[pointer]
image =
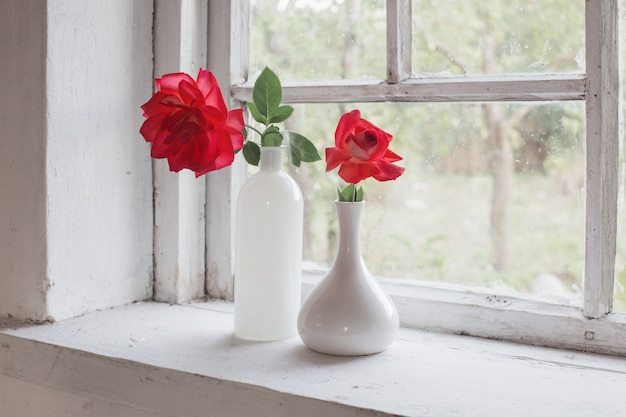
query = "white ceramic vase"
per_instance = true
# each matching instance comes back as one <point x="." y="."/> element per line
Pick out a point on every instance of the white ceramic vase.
<point x="268" y="252"/>
<point x="348" y="313"/>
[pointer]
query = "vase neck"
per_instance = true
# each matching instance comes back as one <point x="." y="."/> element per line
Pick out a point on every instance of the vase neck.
<point x="349" y="217"/>
<point x="271" y="158"/>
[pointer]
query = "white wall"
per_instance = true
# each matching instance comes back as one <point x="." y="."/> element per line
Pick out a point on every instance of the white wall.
<point x="75" y="175"/>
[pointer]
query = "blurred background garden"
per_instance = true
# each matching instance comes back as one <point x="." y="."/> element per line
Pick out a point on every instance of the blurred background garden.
<point x="493" y="194"/>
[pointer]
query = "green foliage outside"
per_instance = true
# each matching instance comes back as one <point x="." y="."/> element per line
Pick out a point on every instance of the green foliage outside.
<point x="433" y="223"/>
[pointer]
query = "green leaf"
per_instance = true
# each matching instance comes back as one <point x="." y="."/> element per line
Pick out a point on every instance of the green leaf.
<point x="256" y="114"/>
<point x="282" y="114"/>
<point x="359" y="194"/>
<point x="339" y="195"/>
<point x="300" y="148"/>
<point x="271" y="137"/>
<point x="267" y="94"/>
<point x="350" y="193"/>
<point x="347" y="193"/>
<point x="252" y="153"/>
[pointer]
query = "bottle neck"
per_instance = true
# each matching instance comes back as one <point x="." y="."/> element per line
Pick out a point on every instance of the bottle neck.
<point x="349" y="216"/>
<point x="271" y="158"/>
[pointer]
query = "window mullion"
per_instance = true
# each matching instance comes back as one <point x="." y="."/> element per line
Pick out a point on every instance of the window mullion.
<point x="179" y="261"/>
<point x="228" y="40"/>
<point x="240" y="41"/>
<point x="398" y="40"/>
<point x="602" y="107"/>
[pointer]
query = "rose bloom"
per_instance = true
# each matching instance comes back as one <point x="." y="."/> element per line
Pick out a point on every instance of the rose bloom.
<point x="361" y="151"/>
<point x="188" y="123"/>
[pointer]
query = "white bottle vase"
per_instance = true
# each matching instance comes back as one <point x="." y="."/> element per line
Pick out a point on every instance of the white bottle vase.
<point x="268" y="252"/>
<point x="348" y="313"/>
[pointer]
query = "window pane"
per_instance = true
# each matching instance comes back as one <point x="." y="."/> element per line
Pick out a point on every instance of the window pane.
<point x="477" y="37"/>
<point x="318" y="39"/>
<point x="454" y="216"/>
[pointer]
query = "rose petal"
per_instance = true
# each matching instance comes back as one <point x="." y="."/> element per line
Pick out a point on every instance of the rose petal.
<point x="160" y="150"/>
<point x="235" y="119"/>
<point x="210" y="152"/>
<point x="155" y="105"/>
<point x="188" y="123"/>
<point x="168" y="84"/>
<point x="173" y="121"/>
<point x="210" y="88"/>
<point x="387" y="171"/>
<point x="353" y="171"/>
<point x="382" y="138"/>
<point x="391" y="156"/>
<point x="189" y="92"/>
<point x="234" y="126"/>
<point x="194" y="155"/>
<point x="345" y="127"/>
<point x="200" y="154"/>
<point x="179" y="160"/>
<point x="227" y="153"/>
<point x="205" y="81"/>
<point x="360" y="146"/>
<point x="151" y="126"/>
<point x="335" y="157"/>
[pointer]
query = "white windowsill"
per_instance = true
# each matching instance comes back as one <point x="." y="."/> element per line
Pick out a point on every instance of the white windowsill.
<point x="182" y="360"/>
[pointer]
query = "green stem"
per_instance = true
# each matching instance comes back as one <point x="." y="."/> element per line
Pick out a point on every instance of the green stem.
<point x="256" y="130"/>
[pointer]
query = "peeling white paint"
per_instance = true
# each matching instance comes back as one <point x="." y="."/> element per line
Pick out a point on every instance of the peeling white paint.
<point x="77" y="224"/>
<point x="200" y="369"/>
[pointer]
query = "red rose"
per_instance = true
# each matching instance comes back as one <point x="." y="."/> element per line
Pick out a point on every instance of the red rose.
<point x="188" y="123"/>
<point x="361" y="149"/>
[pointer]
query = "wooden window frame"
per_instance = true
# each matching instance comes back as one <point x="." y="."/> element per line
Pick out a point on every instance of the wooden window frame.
<point x="464" y="310"/>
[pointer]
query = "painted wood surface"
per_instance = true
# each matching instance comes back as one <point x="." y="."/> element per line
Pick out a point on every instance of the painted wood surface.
<point x="23" y="399"/>
<point x="603" y="122"/>
<point x="23" y="160"/>
<point x="184" y="361"/>
<point x="399" y="40"/>
<point x="497" y="316"/>
<point x="98" y="191"/>
<point x="75" y="177"/>
<point x="179" y="209"/>
<point x="228" y="59"/>
<point x="453" y="89"/>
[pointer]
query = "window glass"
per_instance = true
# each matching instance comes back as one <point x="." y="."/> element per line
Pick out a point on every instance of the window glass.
<point x="318" y="39"/>
<point x="480" y="37"/>
<point x="493" y="194"/>
<point x="454" y="216"/>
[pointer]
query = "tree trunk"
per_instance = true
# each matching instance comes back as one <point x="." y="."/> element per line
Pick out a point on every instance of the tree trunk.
<point x="502" y="171"/>
<point x="502" y="166"/>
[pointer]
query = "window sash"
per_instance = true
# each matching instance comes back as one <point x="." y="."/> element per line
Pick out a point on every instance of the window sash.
<point x="603" y="133"/>
<point x="456" y="89"/>
<point x="533" y="322"/>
